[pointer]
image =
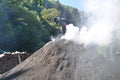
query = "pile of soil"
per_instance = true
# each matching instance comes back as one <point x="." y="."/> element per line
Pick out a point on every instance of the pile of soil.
<point x="9" y="60"/>
<point x="64" y="60"/>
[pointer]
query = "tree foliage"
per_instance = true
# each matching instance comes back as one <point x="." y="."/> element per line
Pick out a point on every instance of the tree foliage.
<point x="49" y="14"/>
<point x="27" y="25"/>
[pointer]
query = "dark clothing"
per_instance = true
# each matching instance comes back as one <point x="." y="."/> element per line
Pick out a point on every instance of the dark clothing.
<point x="62" y="22"/>
<point x="63" y="28"/>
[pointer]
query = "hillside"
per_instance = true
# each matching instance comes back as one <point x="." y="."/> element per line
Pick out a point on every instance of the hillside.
<point x="64" y="60"/>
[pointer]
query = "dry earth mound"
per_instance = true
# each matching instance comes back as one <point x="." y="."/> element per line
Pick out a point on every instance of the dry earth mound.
<point x="64" y="60"/>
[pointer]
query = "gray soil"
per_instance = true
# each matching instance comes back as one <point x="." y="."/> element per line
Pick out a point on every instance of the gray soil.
<point x="64" y="60"/>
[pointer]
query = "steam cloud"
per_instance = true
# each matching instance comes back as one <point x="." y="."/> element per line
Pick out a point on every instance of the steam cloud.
<point x="102" y="25"/>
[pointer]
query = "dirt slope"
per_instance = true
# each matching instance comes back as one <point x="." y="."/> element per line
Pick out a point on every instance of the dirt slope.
<point x="64" y="60"/>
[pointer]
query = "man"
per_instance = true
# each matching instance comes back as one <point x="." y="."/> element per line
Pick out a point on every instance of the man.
<point x="62" y="22"/>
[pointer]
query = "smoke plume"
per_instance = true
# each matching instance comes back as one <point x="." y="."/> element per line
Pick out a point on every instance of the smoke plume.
<point x="102" y="24"/>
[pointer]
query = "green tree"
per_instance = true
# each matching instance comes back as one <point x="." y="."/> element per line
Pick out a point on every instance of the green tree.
<point x="49" y="14"/>
<point x="26" y="25"/>
<point x="29" y="31"/>
<point x="21" y="28"/>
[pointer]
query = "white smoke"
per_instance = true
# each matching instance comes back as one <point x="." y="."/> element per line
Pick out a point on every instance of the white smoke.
<point x="102" y="23"/>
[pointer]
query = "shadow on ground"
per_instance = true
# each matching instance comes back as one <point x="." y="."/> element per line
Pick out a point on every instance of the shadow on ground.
<point x="14" y="75"/>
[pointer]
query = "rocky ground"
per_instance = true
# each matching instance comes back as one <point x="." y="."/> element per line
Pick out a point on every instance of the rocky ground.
<point x="64" y="60"/>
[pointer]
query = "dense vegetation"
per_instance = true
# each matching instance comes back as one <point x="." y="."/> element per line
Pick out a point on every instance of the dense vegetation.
<point x="26" y="25"/>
